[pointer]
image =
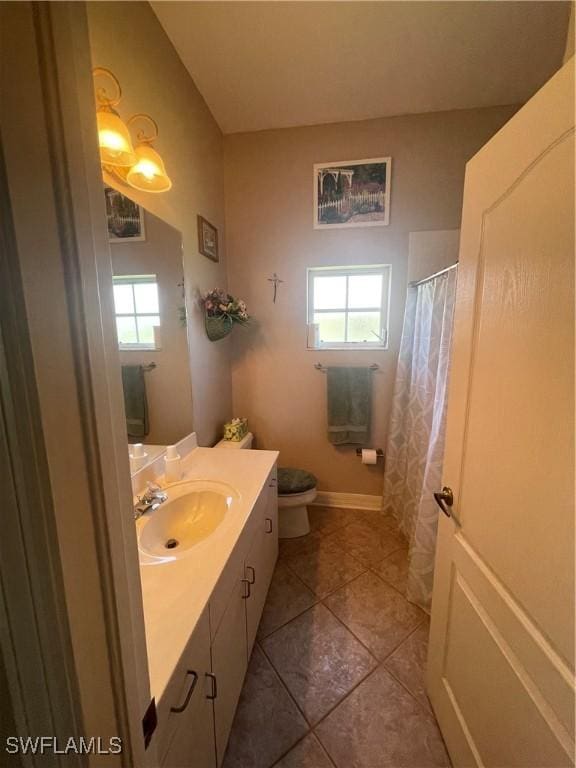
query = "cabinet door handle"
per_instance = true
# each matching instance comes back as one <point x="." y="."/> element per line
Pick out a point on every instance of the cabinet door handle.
<point x="214" y="692"/>
<point x="247" y="591"/>
<point x="190" y="692"/>
<point x="252" y="580"/>
<point x="269" y="526"/>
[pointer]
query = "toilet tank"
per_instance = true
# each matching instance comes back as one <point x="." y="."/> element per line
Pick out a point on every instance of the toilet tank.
<point x="246" y="442"/>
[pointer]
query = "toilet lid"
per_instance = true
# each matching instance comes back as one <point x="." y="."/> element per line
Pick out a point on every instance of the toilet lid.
<point x="294" y="481"/>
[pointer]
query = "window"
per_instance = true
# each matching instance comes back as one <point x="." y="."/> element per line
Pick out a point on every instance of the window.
<point x="350" y="306"/>
<point x="137" y="310"/>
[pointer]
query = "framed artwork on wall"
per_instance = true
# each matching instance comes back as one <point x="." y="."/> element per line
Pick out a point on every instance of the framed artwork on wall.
<point x="207" y="239"/>
<point x="125" y="217"/>
<point x="352" y="193"/>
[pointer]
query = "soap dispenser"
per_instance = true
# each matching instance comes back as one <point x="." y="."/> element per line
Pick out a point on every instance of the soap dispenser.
<point x="172" y="465"/>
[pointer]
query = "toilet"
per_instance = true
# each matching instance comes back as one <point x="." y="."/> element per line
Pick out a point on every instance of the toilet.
<point x="246" y="442"/>
<point x="296" y="489"/>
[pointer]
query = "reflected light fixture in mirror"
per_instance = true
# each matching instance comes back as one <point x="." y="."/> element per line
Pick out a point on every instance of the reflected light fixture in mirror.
<point x="142" y="167"/>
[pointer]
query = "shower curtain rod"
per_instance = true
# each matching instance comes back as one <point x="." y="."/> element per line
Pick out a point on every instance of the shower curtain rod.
<point x="415" y="283"/>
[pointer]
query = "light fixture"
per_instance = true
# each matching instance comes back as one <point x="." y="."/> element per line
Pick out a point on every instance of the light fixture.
<point x="113" y="136"/>
<point x="140" y="167"/>
<point x="148" y="172"/>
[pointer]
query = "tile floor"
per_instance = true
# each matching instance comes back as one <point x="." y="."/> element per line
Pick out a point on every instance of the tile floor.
<point x="335" y="679"/>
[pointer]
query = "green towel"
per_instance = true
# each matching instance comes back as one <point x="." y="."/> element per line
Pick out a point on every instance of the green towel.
<point x="349" y="405"/>
<point x="135" y="402"/>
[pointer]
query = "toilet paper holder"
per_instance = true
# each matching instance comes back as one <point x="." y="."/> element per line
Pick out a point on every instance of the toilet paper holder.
<point x="379" y="452"/>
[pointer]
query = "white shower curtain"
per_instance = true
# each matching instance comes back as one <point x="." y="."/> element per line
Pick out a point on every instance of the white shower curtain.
<point x="415" y="445"/>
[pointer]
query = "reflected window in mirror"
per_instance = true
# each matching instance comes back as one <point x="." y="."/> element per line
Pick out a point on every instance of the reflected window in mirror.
<point x="137" y="311"/>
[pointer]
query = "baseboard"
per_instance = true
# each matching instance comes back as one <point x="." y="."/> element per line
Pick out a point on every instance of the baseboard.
<point x="348" y="500"/>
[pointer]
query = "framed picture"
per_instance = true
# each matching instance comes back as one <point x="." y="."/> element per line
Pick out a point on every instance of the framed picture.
<point x="125" y="217"/>
<point x="207" y="239"/>
<point x="352" y="193"/>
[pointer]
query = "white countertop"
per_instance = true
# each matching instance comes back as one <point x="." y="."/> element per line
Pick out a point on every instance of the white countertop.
<point x="176" y="593"/>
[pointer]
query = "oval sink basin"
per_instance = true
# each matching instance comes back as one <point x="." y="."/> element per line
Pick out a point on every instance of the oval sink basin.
<point x="192" y="512"/>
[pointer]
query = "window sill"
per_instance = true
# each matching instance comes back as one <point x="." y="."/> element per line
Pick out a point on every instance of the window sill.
<point x="138" y="348"/>
<point x="349" y="348"/>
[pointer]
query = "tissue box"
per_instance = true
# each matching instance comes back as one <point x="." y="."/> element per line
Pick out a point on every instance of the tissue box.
<point x="235" y="430"/>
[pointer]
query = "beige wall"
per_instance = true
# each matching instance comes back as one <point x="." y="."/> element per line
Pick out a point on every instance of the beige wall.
<point x="268" y="181"/>
<point x="429" y="252"/>
<point x="128" y="39"/>
<point x="167" y="386"/>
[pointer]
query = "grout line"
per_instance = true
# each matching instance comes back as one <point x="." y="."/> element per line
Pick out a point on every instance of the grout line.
<point x="388" y="584"/>
<point x="339" y="620"/>
<point x="342" y="700"/>
<point x="403" y="685"/>
<point x="344" y="583"/>
<point x="394" y="649"/>
<point x="283" y="755"/>
<point x="279" y="676"/>
<point x="324" y="749"/>
<point x="380" y="663"/>
<point x="314" y="736"/>
<point x="317" y="600"/>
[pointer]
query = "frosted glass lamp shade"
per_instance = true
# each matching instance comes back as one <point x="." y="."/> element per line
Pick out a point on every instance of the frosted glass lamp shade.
<point x="114" y="140"/>
<point x="148" y="172"/>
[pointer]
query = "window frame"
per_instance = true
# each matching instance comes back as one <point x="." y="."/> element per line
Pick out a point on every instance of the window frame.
<point x="133" y="280"/>
<point x="385" y="270"/>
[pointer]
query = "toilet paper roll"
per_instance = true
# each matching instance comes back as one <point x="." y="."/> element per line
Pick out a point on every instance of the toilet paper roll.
<point x="369" y="456"/>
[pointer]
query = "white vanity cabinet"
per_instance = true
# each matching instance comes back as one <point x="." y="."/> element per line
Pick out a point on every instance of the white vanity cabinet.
<point x="261" y="560"/>
<point x="196" y="712"/>
<point x="185" y="710"/>
<point x="229" y="664"/>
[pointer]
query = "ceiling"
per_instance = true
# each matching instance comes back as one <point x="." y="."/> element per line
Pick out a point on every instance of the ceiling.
<point x="265" y="64"/>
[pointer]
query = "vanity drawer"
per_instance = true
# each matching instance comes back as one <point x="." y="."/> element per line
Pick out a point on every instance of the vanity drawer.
<point x="191" y="730"/>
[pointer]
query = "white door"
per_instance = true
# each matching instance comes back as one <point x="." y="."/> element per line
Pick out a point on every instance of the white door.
<point x="501" y="660"/>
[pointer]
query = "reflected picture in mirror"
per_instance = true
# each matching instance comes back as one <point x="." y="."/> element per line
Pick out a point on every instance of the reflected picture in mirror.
<point x="150" y="314"/>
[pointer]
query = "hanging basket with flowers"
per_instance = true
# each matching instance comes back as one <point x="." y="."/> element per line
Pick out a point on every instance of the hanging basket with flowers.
<point x="221" y="311"/>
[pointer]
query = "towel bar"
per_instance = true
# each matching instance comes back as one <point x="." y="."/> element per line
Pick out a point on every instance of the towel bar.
<point x="149" y="367"/>
<point x="323" y="368"/>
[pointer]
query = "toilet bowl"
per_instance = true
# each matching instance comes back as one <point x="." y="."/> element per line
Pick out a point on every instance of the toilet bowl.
<point x="296" y="489"/>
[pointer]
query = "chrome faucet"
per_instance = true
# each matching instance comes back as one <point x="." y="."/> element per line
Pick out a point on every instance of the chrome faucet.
<point x="150" y="500"/>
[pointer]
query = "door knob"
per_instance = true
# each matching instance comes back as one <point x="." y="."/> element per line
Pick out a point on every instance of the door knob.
<point x="445" y="499"/>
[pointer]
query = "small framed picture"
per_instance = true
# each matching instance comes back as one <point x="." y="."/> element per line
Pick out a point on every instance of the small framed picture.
<point x="352" y="193"/>
<point x="125" y="217"/>
<point x="207" y="239"/>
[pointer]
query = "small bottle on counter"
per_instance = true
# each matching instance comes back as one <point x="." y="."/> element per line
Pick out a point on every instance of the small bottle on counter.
<point x="138" y="457"/>
<point x="172" y="465"/>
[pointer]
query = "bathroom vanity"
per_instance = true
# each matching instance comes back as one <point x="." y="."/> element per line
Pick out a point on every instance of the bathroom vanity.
<point x="203" y="597"/>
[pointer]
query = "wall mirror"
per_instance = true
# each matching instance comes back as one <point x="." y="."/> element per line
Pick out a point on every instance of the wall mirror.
<point x="151" y="324"/>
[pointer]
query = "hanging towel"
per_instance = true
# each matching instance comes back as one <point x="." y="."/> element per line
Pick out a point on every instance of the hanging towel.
<point x="135" y="402"/>
<point x="349" y="405"/>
